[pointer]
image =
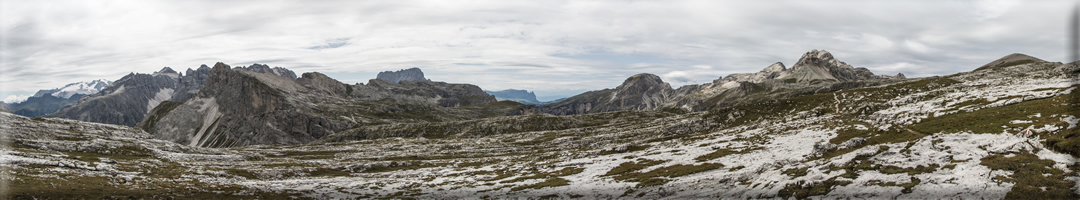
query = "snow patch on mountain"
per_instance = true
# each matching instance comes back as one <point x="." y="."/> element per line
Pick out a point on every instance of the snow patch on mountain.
<point x="82" y="87"/>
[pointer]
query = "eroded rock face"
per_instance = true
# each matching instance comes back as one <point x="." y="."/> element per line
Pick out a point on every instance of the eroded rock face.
<point x="237" y="108"/>
<point x="411" y="74"/>
<point x="240" y="107"/>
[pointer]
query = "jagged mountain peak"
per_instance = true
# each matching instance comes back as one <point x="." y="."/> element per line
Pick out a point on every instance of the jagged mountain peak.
<point x="263" y="68"/>
<point x="775" y="67"/>
<point x="819" y="58"/>
<point x="166" y="70"/>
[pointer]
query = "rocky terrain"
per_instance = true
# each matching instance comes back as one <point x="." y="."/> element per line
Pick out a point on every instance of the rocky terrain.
<point x="816" y="71"/>
<point x="411" y="74"/>
<point x="1006" y="130"/>
<point x="520" y="96"/>
<point x="48" y="101"/>
<point x="240" y="107"/>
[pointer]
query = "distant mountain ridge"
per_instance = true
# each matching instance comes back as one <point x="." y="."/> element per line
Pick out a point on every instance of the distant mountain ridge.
<point x="48" y="101"/>
<point x="520" y="96"/>
<point x="816" y="71"/>
<point x="82" y="87"/>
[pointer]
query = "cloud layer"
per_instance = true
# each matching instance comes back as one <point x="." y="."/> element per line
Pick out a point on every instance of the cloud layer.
<point x="551" y="47"/>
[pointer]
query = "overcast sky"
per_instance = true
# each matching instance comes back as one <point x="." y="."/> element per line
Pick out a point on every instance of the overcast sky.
<point x="551" y="47"/>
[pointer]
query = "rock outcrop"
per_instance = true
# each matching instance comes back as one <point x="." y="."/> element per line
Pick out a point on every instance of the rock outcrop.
<point x="411" y="74"/>
<point x="639" y="92"/>
<point x="1010" y="60"/>
<point x="520" y="96"/>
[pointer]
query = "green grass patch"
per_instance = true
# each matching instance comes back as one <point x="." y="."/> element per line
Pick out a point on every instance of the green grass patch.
<point x="1031" y="175"/>
<point x="400" y="166"/>
<point x="553" y="182"/>
<point x="799" y="191"/>
<point x="632" y="166"/>
<point x="724" y="152"/>
<point x="650" y="178"/>
<point x="990" y="120"/>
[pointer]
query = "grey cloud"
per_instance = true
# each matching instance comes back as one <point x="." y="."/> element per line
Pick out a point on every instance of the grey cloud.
<point x="551" y="46"/>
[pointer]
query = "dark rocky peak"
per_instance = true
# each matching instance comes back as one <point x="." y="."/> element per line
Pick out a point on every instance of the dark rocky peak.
<point x="819" y="58"/>
<point x="166" y="70"/>
<point x="643" y="82"/>
<point x="321" y="82"/>
<point x="263" y="68"/>
<point x="821" y="65"/>
<point x="1010" y="60"/>
<point x="411" y="74"/>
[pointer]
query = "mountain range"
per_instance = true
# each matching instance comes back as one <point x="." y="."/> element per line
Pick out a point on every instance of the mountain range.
<point x="48" y="101"/>
<point x="820" y="129"/>
<point x="520" y="96"/>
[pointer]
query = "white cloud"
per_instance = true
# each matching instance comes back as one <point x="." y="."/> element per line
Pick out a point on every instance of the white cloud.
<point x="917" y="47"/>
<point x="549" y="46"/>
<point x="16" y="98"/>
<point x="991" y="9"/>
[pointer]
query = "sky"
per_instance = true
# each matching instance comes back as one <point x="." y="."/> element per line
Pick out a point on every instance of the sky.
<point x="555" y="48"/>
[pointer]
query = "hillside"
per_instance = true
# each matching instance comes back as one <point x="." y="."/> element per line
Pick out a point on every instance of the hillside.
<point x="1007" y="131"/>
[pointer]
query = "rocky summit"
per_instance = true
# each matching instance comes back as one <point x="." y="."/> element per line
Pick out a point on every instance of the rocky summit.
<point x="411" y="74"/>
<point x="1006" y="130"/>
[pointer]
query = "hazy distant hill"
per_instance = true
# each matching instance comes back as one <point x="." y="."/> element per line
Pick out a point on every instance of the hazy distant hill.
<point x="520" y="96"/>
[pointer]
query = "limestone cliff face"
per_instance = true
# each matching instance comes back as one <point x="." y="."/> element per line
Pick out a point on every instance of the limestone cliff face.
<point x="411" y="74"/>
<point x="127" y="100"/>
<point x="639" y="92"/>
<point x="239" y="107"/>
